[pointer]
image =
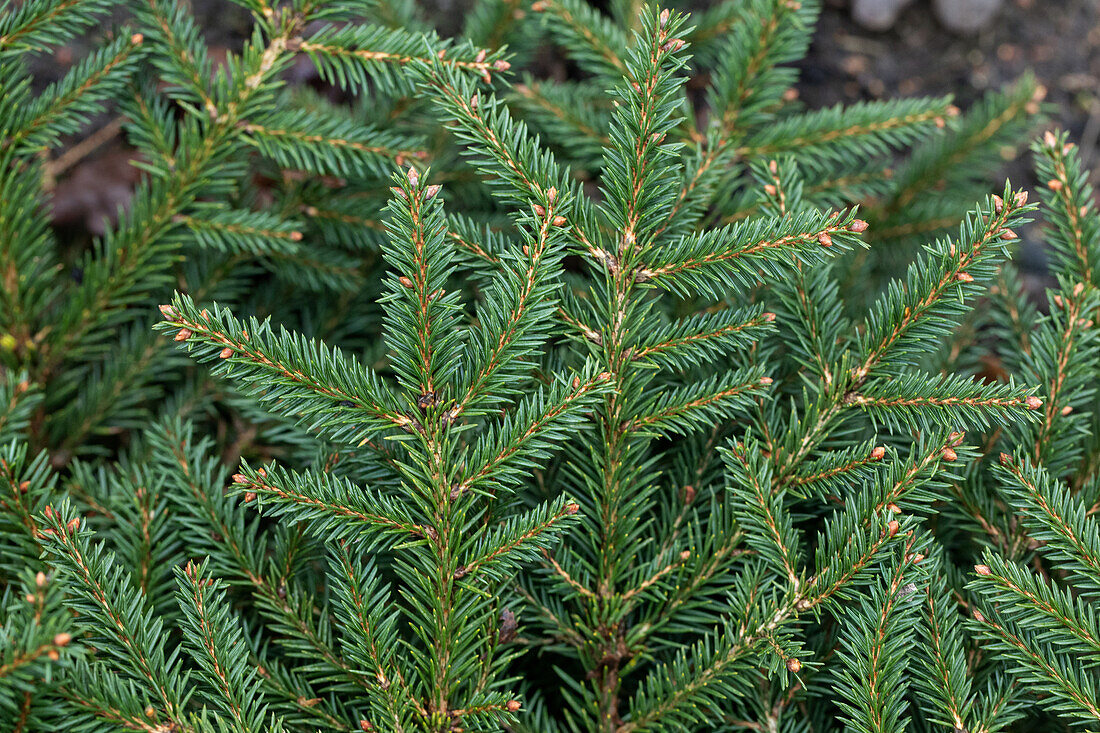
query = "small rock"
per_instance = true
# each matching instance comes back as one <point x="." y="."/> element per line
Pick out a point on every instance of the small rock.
<point x="966" y="16"/>
<point x="878" y="15"/>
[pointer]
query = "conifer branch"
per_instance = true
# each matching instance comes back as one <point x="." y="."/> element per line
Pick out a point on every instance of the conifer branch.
<point x="350" y="407"/>
<point x="124" y="629"/>
<point x="596" y="43"/>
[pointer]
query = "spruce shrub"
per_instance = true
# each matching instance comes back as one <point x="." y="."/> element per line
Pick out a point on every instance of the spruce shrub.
<point x="483" y="400"/>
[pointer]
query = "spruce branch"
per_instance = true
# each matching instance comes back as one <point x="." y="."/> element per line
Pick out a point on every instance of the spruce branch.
<point x="420" y="324"/>
<point x="331" y="506"/>
<point x="735" y="257"/>
<point x="357" y="55"/>
<point x="594" y="41"/>
<point x="114" y="614"/>
<point x="218" y="644"/>
<point x="34" y="26"/>
<point x="65" y="106"/>
<point x="346" y="404"/>
<point x="936" y="284"/>
<point x="1073" y="224"/>
<point x="874" y="646"/>
<point x="1053" y="515"/>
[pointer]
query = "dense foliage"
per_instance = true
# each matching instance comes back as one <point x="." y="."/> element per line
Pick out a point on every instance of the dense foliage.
<point x="478" y="399"/>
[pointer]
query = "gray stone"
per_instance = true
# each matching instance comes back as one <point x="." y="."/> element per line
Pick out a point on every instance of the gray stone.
<point x="877" y="15"/>
<point x="966" y="16"/>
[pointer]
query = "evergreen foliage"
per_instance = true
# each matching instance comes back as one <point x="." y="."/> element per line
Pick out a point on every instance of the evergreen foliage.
<point x="486" y="401"/>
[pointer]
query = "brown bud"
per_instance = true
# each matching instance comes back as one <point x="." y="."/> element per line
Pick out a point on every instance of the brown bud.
<point x="53" y="655"/>
<point x="183" y="335"/>
<point x="857" y="226"/>
<point x="965" y="277"/>
<point x="892" y="527"/>
<point x="539" y="210"/>
<point x="551" y="195"/>
<point x="501" y="65"/>
<point x="296" y="236"/>
<point x="73" y="525"/>
<point x="474" y="101"/>
<point x="802" y="604"/>
<point x="773" y="166"/>
<point x="168" y="311"/>
<point x="572" y="508"/>
<point x="413" y="177"/>
<point x="62" y="639"/>
<point x="249" y="496"/>
<point x="825" y="240"/>
<point x="137" y="39"/>
<point x="576" y="382"/>
<point x="1054" y="184"/>
<point x="1049" y="139"/>
<point x="1021" y="198"/>
<point x="894" y="508"/>
<point x="365" y="725"/>
<point x="794" y="666"/>
<point x="673" y="46"/>
<point x="240" y="478"/>
<point x="1058" y="301"/>
<point x="513" y="706"/>
<point x="662" y="19"/>
<point x="1033" y="402"/>
<point x="559" y="221"/>
<point x="940" y="122"/>
<point x="1078" y="289"/>
<point x="685" y="555"/>
<point x="1008" y="234"/>
<point x="40" y="579"/>
<point x="48" y="511"/>
<point x="397" y="192"/>
<point x="480" y="58"/>
<point x="956" y="438"/>
<point x="982" y="570"/>
<point x="998" y="203"/>
<point x="918" y="558"/>
<point x="405" y="281"/>
<point x="766" y="380"/>
<point x="1005" y="459"/>
<point x="949" y="454"/>
<point x="688" y="494"/>
<point x="978" y="616"/>
<point x="878" y="453"/>
<point x="769" y="317"/>
<point x="225" y="353"/>
<point x="431" y="191"/>
<point x="770" y="189"/>
<point x="1066" y="410"/>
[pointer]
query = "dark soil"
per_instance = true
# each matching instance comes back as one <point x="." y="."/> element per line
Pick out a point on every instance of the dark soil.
<point x="1057" y="40"/>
